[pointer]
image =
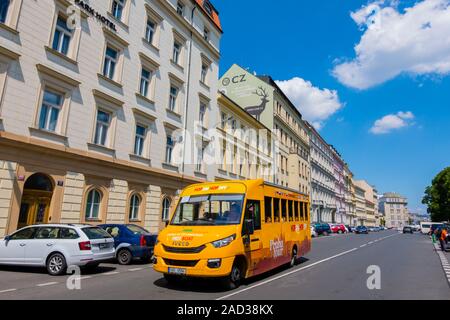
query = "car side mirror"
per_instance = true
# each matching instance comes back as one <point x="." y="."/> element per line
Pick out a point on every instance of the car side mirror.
<point x="7" y="238"/>
<point x="167" y="223"/>
<point x="249" y="227"/>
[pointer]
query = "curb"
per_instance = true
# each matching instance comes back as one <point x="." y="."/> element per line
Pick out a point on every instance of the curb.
<point x="444" y="261"/>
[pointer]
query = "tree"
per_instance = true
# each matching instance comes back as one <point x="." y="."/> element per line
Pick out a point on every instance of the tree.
<point x="437" y="197"/>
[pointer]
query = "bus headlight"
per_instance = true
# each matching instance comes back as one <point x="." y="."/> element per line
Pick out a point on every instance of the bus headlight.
<point x="224" y="242"/>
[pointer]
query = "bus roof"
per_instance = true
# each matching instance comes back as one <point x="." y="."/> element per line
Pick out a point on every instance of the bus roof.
<point x="247" y="184"/>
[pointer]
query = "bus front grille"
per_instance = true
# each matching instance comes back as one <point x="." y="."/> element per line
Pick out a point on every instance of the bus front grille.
<point x="181" y="263"/>
<point x="184" y="250"/>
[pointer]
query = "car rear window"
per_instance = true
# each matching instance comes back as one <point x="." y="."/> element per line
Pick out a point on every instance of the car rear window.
<point x="94" y="233"/>
<point x="137" y="230"/>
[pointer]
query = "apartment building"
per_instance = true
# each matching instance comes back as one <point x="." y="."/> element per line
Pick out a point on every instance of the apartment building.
<point x="323" y="180"/>
<point x="365" y="193"/>
<point x="93" y="97"/>
<point x="349" y="197"/>
<point x="339" y="187"/>
<point x="394" y="208"/>
<point x="262" y="98"/>
<point x="245" y="145"/>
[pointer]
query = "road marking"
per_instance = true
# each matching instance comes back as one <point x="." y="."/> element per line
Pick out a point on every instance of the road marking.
<point x="135" y="269"/>
<point x="364" y="245"/>
<point x="289" y="273"/>
<point x="46" y="284"/>
<point x="371" y="242"/>
<point x="111" y="273"/>
<point x="8" y="290"/>
<point x="85" y="277"/>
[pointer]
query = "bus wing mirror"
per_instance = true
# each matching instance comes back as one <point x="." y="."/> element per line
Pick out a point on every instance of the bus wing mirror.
<point x="167" y="223"/>
<point x="249" y="226"/>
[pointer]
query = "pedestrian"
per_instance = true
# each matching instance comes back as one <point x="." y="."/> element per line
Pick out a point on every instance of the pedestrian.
<point x="443" y="239"/>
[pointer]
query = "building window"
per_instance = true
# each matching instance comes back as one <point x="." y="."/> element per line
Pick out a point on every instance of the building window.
<point x="201" y="152"/>
<point x="202" y="114"/>
<point x="206" y="34"/>
<point x="176" y="52"/>
<point x="180" y="8"/>
<point x="223" y="119"/>
<point x="118" y="8"/>
<point x="111" y="59"/>
<point x="50" y="110"/>
<point x="135" y="203"/>
<point x="102" y="126"/>
<point x="93" y="202"/>
<point x="204" y="74"/>
<point x="166" y="209"/>
<point x="173" y="98"/>
<point x="139" y="140"/>
<point x="150" y="31"/>
<point x="169" y="149"/>
<point x="4" y="6"/>
<point x="63" y="36"/>
<point x="145" y="82"/>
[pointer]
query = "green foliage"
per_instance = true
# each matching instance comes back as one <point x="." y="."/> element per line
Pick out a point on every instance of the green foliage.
<point x="437" y="197"/>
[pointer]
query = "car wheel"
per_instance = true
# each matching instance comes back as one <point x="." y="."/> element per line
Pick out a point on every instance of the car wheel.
<point x="293" y="258"/>
<point x="56" y="264"/>
<point x="325" y="233"/>
<point x="124" y="257"/>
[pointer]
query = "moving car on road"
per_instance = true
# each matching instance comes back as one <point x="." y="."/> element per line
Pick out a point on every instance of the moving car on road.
<point x="408" y="229"/>
<point x="361" y="230"/>
<point x="57" y="246"/>
<point x="233" y="230"/>
<point x="426" y="227"/>
<point x="131" y="242"/>
<point x="323" y="229"/>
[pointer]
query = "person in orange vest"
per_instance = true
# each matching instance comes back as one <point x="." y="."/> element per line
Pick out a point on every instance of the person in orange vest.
<point x="443" y="238"/>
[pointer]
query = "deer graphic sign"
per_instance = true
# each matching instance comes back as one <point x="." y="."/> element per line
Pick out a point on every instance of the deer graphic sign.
<point x="257" y="110"/>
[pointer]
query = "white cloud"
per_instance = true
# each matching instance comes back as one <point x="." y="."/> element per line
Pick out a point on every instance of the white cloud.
<point x="315" y="104"/>
<point x="413" y="41"/>
<point x="392" y="122"/>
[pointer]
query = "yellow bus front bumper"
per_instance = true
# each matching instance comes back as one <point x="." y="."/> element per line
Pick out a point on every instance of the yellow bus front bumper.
<point x="201" y="269"/>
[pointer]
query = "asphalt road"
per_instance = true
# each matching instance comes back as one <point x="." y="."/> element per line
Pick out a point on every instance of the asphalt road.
<point x="336" y="268"/>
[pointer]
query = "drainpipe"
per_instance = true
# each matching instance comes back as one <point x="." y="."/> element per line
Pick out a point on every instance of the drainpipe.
<point x="188" y="88"/>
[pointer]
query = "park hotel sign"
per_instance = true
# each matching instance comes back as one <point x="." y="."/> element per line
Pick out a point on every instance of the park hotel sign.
<point x="94" y="13"/>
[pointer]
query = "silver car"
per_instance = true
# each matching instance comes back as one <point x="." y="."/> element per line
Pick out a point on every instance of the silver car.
<point x="57" y="247"/>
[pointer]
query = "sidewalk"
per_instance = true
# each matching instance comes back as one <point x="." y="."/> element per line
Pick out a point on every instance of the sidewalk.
<point x="444" y="257"/>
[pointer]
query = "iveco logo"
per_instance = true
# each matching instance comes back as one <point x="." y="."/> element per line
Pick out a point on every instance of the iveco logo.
<point x="180" y="244"/>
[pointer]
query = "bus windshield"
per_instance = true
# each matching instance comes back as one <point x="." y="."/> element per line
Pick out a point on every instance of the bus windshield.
<point x="209" y="210"/>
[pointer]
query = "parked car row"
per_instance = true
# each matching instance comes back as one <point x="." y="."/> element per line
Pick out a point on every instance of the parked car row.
<point x="319" y="229"/>
<point x="58" y="246"/>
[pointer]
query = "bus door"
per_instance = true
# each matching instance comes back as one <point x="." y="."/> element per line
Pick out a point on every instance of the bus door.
<point x="253" y="244"/>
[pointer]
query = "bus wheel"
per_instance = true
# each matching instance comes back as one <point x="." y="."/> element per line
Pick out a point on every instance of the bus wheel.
<point x="233" y="281"/>
<point x="294" y="258"/>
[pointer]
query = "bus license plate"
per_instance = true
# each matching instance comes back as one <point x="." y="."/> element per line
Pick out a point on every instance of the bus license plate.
<point x="177" y="271"/>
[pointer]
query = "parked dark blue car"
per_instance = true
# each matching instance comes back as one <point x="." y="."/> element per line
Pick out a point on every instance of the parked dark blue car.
<point x="361" y="230"/>
<point x="131" y="242"/>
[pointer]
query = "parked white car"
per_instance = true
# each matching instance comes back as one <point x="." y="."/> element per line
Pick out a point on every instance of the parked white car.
<point x="313" y="232"/>
<point x="57" y="246"/>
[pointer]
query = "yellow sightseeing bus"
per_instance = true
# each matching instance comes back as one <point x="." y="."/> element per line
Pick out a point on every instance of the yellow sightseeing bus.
<point x="233" y="230"/>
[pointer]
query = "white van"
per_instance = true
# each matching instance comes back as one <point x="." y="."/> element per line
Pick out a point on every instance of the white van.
<point x="425" y="227"/>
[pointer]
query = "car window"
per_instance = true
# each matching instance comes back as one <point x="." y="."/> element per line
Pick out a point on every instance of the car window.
<point x="47" y="233"/>
<point x="94" y="233"/>
<point x="24" y="234"/>
<point x="68" y="234"/>
<point x="113" y="231"/>
<point x="136" y="229"/>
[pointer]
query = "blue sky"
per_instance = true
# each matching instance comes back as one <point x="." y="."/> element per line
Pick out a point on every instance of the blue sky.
<point x="398" y="78"/>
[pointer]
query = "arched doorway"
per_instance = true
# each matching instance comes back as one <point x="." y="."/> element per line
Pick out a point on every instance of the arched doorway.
<point x="36" y="199"/>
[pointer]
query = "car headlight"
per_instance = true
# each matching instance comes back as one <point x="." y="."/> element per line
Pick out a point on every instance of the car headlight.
<point x="224" y="242"/>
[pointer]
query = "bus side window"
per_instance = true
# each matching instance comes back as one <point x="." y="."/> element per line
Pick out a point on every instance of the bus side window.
<point x="290" y="211"/>
<point x="276" y="210"/>
<point x="307" y="207"/>
<point x="268" y="209"/>
<point x="253" y="212"/>
<point x="302" y="211"/>
<point x="296" y="211"/>
<point x="283" y="210"/>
